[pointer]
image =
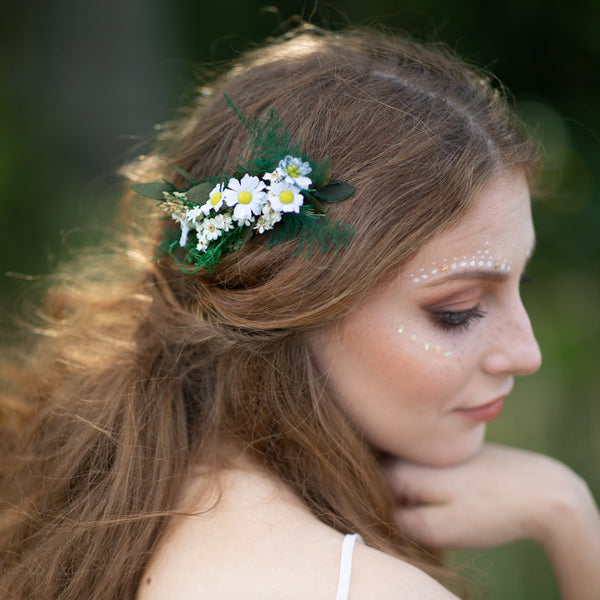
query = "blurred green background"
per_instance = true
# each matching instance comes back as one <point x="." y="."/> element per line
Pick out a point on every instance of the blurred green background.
<point x="83" y="84"/>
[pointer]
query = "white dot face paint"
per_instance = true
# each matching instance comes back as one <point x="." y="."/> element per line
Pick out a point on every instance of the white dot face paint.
<point x="482" y="259"/>
<point x="386" y="366"/>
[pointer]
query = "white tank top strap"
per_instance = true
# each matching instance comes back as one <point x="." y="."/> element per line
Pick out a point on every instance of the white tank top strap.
<point x="346" y="565"/>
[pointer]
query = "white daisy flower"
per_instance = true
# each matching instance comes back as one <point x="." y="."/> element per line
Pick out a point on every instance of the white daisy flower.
<point x="285" y="197"/>
<point x="246" y="195"/>
<point x="293" y="171"/>
<point x="210" y="230"/>
<point x="215" y="199"/>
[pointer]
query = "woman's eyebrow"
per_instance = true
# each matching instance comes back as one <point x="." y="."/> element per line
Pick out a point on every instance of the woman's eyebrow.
<point x="497" y="274"/>
<point x="485" y="274"/>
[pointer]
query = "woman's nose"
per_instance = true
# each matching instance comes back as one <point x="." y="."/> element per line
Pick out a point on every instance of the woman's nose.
<point x="515" y="351"/>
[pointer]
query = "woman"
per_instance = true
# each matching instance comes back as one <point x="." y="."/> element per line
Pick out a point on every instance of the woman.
<point x="310" y="354"/>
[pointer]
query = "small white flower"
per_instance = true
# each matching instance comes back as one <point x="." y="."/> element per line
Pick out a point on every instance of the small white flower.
<point x="262" y="225"/>
<point x="185" y="228"/>
<point x="202" y="244"/>
<point x="215" y="199"/>
<point x="273" y="177"/>
<point x="224" y="221"/>
<point x="293" y="170"/>
<point x="268" y="219"/>
<point x="242" y="221"/>
<point x="285" y="197"/>
<point x="193" y="213"/>
<point x="267" y="209"/>
<point x="210" y="230"/>
<point x="246" y="195"/>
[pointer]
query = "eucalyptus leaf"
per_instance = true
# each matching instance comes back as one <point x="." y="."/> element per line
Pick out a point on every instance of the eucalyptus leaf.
<point x="199" y="194"/>
<point x="323" y="171"/>
<point x="154" y="189"/>
<point x="183" y="173"/>
<point x="316" y="205"/>
<point x="334" y="191"/>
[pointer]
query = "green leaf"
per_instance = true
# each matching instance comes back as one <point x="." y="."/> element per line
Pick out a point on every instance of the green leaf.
<point x="183" y="173"/>
<point x="154" y="189"/>
<point x="334" y="192"/>
<point x="322" y="172"/>
<point x="314" y="203"/>
<point x="199" y="194"/>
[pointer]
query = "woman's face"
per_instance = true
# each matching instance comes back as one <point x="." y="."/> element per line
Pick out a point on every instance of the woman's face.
<point x="427" y="359"/>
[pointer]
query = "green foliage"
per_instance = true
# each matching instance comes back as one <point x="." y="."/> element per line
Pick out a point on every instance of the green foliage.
<point x="312" y="230"/>
<point x="154" y="189"/>
<point x="269" y="143"/>
<point x="190" y="260"/>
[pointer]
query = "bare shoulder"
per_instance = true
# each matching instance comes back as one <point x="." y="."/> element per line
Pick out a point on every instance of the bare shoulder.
<point x="261" y="543"/>
<point x="378" y="575"/>
<point x="258" y="542"/>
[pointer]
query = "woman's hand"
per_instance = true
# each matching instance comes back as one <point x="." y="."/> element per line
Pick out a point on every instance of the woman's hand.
<point x="500" y="495"/>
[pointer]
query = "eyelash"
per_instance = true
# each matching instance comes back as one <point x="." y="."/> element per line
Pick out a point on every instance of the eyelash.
<point x="461" y="319"/>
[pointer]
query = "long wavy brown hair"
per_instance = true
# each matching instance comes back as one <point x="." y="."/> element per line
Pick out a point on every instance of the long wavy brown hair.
<point x="141" y="371"/>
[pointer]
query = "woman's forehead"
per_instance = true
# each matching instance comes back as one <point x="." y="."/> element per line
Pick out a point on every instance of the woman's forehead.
<point x="494" y="233"/>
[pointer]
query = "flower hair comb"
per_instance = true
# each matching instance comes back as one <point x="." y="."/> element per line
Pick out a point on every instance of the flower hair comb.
<point x="279" y="191"/>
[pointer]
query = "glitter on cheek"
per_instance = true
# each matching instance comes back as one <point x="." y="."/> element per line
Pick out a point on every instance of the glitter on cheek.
<point x="425" y="345"/>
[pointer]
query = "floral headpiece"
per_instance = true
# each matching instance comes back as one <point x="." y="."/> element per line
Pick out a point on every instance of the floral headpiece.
<point x="280" y="191"/>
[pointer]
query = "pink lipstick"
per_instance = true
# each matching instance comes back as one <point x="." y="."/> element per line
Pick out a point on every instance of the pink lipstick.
<point x="485" y="412"/>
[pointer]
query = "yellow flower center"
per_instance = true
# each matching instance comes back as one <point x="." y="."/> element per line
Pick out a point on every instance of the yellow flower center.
<point x="286" y="197"/>
<point x="216" y="198"/>
<point x="292" y="171"/>
<point x="245" y="197"/>
<point x="211" y="227"/>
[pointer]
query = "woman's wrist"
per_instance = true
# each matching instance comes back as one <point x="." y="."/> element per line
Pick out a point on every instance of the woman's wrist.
<point x="567" y="525"/>
<point x="566" y="505"/>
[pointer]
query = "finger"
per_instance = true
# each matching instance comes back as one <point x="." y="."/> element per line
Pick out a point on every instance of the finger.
<point x="415" y="484"/>
<point x="437" y="527"/>
<point x="422" y="524"/>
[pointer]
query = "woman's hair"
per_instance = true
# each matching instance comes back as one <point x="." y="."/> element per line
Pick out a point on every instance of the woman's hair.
<point x="145" y="371"/>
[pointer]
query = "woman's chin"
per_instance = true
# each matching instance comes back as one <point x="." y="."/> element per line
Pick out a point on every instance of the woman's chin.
<point x="445" y="453"/>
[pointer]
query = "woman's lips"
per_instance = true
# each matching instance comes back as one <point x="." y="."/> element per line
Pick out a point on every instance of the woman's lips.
<point x="485" y="412"/>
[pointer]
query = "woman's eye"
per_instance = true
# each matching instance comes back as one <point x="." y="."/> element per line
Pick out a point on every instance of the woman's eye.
<point x="448" y="320"/>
